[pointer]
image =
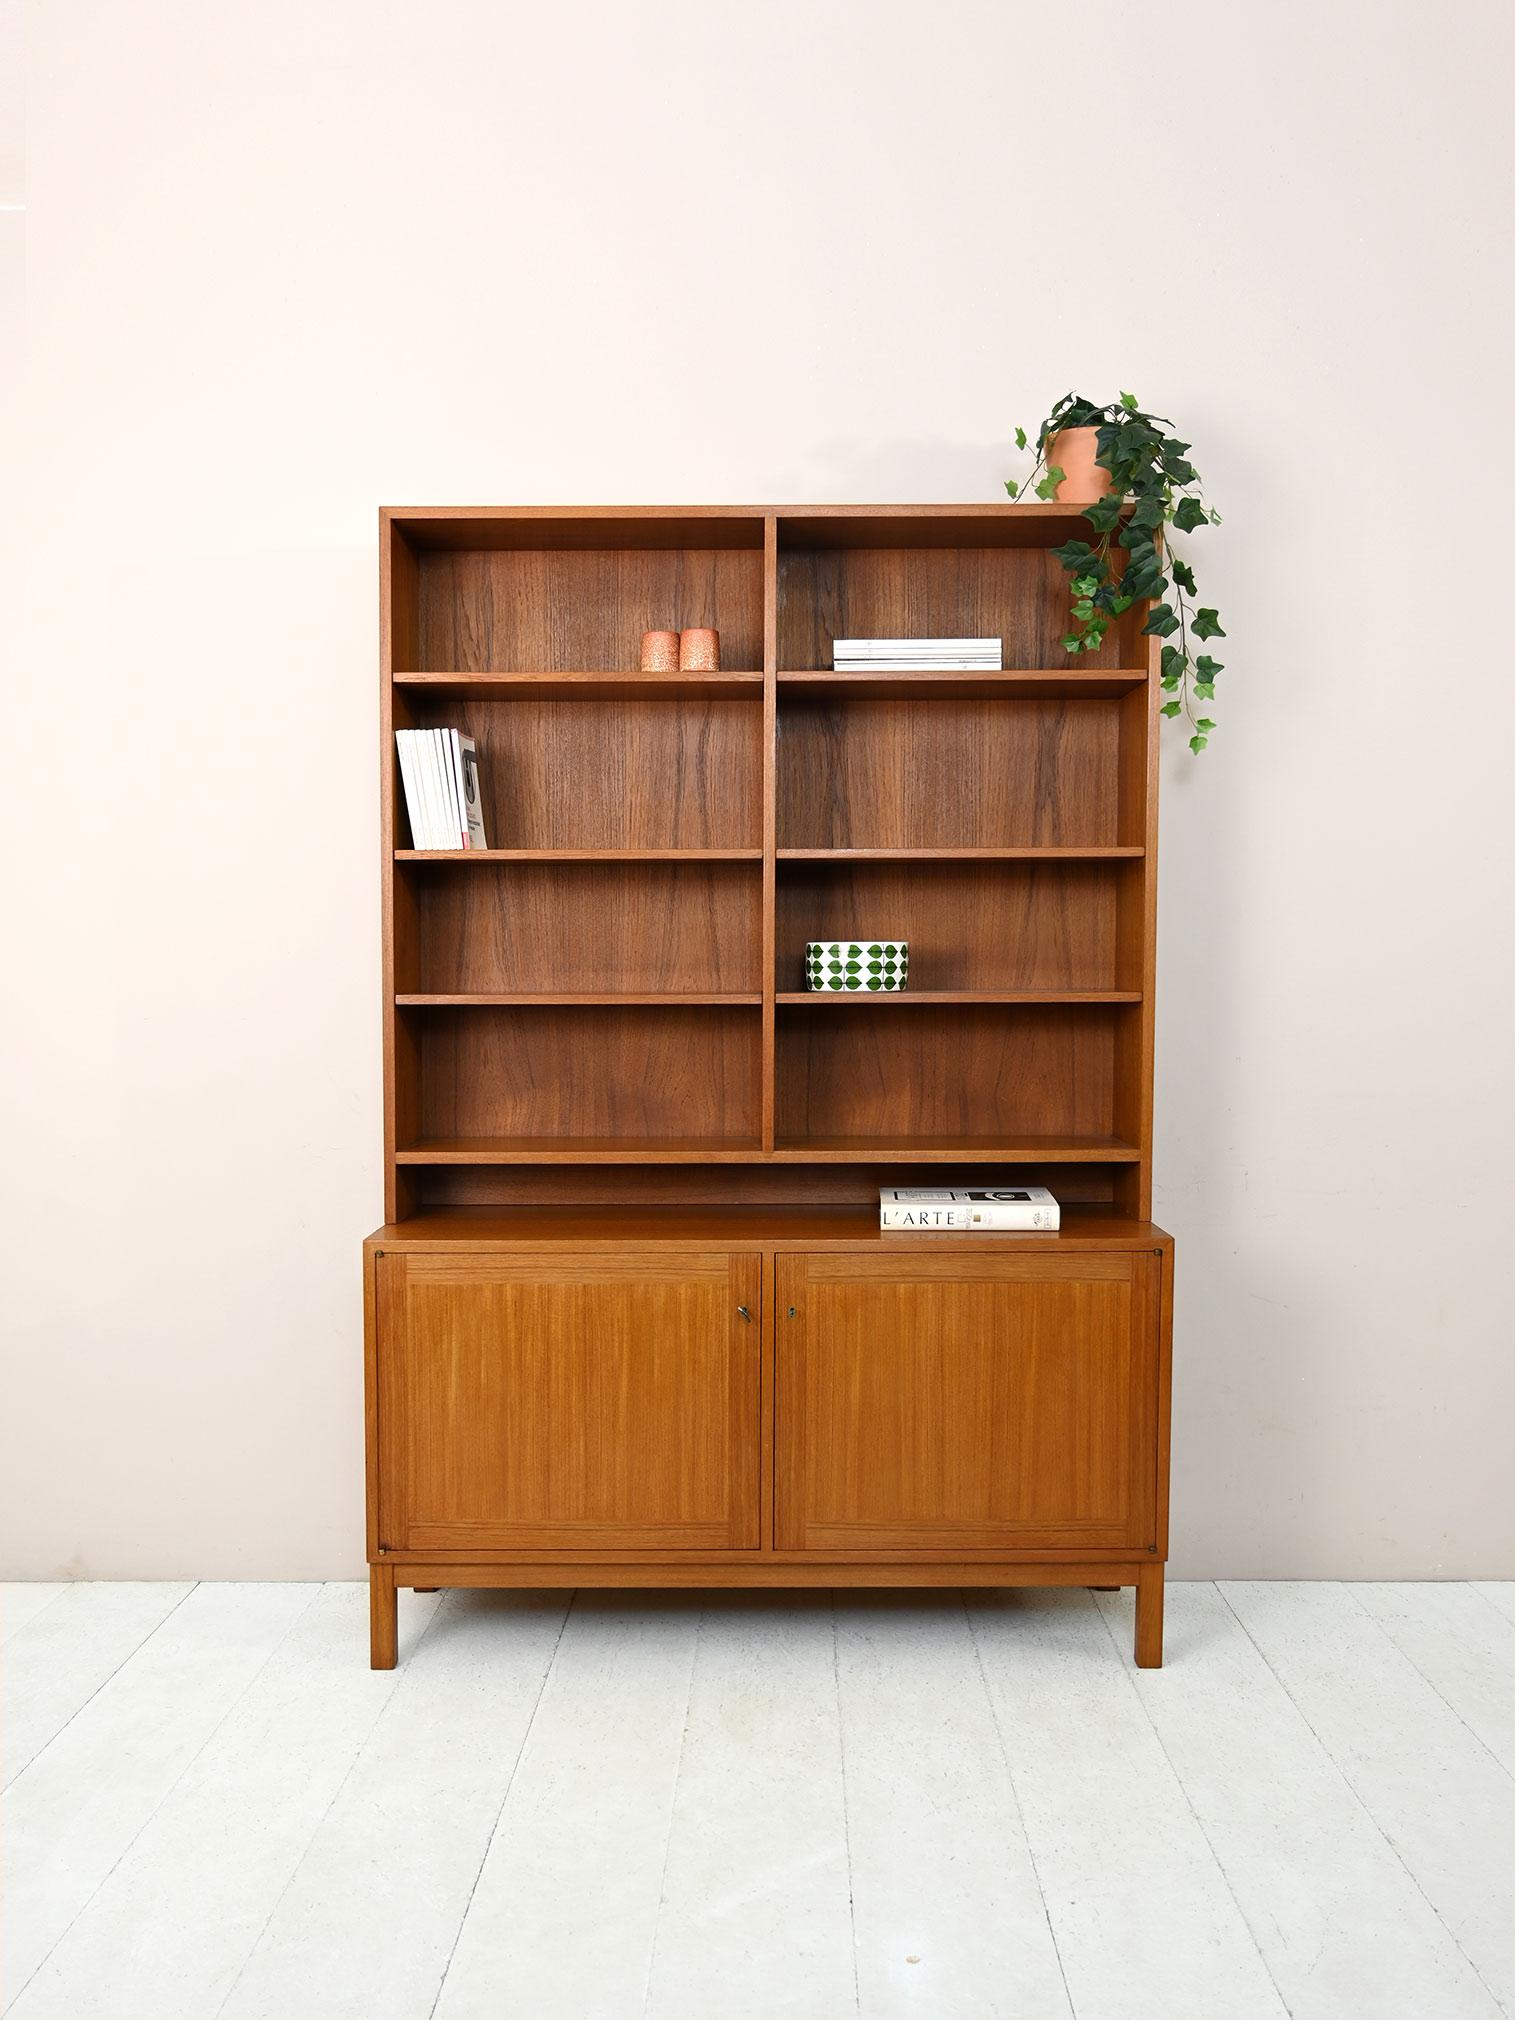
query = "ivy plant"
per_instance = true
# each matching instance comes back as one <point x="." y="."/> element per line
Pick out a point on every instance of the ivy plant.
<point x="1154" y="491"/>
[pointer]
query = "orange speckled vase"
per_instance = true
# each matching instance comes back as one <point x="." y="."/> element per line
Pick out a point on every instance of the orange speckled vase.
<point x="660" y="652"/>
<point x="1071" y="450"/>
<point x="699" y="650"/>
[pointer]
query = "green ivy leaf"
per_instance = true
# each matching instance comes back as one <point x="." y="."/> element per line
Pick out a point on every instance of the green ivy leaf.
<point x="1207" y="624"/>
<point x="1085" y="585"/>
<point x="1120" y="605"/>
<point x="1198" y="743"/>
<point x="1020" y="438"/>
<point x="1128" y="401"/>
<point x="1205" y="689"/>
<point x="1171" y="707"/>
<point x="1073" y="554"/>
<point x="1162" y="623"/>
<point x="1170" y="684"/>
<point x="1071" y="641"/>
<point x="1083" y="609"/>
<point x="1012" y="487"/>
<point x="1047" y="489"/>
<point x="1206" y="667"/>
<point x="1183" y="575"/>
<point x="1190" y="513"/>
<point x="1204" y="723"/>
<point x="1173" y="662"/>
<point x="1177" y="469"/>
<point x="1104" y="514"/>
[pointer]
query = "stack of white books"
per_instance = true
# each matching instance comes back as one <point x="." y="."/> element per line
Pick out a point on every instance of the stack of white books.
<point x="956" y="1210"/>
<point x="439" y="769"/>
<point x="917" y="655"/>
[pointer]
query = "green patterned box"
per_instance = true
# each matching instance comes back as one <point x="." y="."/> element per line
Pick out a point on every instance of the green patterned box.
<point x="856" y="966"/>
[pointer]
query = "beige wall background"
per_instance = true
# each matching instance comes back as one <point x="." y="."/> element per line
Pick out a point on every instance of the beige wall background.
<point x="286" y="262"/>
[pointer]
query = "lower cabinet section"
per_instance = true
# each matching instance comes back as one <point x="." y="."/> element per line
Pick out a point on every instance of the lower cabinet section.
<point x="577" y="1403"/>
<point x="923" y="1416"/>
<point x="961" y="1403"/>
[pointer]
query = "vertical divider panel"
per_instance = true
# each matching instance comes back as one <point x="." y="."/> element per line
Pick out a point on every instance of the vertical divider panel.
<point x="399" y="633"/>
<point x="770" y="818"/>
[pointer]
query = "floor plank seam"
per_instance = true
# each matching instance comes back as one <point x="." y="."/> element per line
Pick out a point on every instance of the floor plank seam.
<point x="130" y="1656"/>
<point x="1358" y="1798"/>
<point x="673" y="1804"/>
<point x="494" y="1830"/>
<point x="169" y="1793"/>
<point x="1133" y="1681"/>
<point x="841" y="1748"/>
<point x="1015" y="1797"/>
<point x="295" y="1869"/>
<point x="1431" y="1684"/>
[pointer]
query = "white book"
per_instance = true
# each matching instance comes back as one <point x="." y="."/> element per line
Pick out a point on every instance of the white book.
<point x="431" y="785"/>
<point x="919" y="666"/>
<point x="450" y="814"/>
<point x="962" y="1209"/>
<point x="861" y="648"/>
<point x="408" y="781"/>
<point x="420" y="751"/>
<point x="473" y="804"/>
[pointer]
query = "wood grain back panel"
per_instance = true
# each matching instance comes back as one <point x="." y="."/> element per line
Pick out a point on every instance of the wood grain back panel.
<point x="1016" y="594"/>
<point x="569" y="1402"/>
<point x="676" y="772"/>
<point x="519" y="927"/>
<point x="947" y="774"/>
<point x="970" y="925"/>
<point x="961" y="1070"/>
<point x="553" y="1072"/>
<point x="564" y="610"/>
<point x="936" y="1402"/>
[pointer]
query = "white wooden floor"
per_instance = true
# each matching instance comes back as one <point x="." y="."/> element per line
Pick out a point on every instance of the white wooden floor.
<point x="700" y="1807"/>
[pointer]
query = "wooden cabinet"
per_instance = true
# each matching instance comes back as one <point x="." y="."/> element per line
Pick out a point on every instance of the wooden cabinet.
<point x="577" y="1403"/>
<point x="961" y="1403"/>
<point x="615" y="1120"/>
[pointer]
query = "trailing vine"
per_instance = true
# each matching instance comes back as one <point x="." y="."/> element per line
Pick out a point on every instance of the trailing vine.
<point x="1154" y="491"/>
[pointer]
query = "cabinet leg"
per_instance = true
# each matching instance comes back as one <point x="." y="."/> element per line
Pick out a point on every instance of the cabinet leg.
<point x="1149" y="1616"/>
<point x="383" y="1618"/>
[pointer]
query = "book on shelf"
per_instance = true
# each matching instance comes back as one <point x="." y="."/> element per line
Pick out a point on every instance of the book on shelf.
<point x="1003" y="1209"/>
<point x="439" y="771"/>
<point x="917" y="655"/>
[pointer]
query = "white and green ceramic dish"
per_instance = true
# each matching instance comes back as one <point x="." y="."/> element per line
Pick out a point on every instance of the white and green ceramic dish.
<point x="856" y="967"/>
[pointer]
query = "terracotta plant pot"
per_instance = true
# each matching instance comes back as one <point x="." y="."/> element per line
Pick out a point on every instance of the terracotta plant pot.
<point x="699" y="650"/>
<point x="1071" y="450"/>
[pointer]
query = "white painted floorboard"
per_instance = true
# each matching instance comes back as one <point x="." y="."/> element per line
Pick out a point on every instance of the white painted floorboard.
<point x="676" y="1806"/>
<point x="21" y="1603"/>
<point x="1436" y="1792"/>
<point x="951" y="1922"/>
<point x="1146" y="1922"/>
<point x="753" y="1916"/>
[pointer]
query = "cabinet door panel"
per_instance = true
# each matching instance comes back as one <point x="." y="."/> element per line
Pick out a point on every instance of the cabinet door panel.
<point x="568" y="1403"/>
<point x="957" y="1402"/>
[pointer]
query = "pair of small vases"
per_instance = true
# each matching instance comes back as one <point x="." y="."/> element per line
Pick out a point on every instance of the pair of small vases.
<point x="697" y="650"/>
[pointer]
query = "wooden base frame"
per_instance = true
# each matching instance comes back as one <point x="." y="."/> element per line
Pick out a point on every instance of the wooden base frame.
<point x="387" y="1577"/>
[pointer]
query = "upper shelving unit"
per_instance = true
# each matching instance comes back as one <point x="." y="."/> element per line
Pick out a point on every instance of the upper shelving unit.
<point x="615" y="988"/>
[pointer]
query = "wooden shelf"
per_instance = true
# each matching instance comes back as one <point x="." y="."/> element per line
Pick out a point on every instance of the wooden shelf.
<point x="578" y="855"/>
<point x="1037" y="685"/>
<point x="576" y="686"/>
<point x="957" y="1150"/>
<point x="605" y="999"/>
<point x="788" y="1150"/>
<point x="813" y="998"/>
<point x="581" y="1150"/>
<point x="1017" y="855"/>
<point x="726" y="1228"/>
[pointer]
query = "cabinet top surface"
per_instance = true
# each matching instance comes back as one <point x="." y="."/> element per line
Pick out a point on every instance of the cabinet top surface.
<point x="738" y="1228"/>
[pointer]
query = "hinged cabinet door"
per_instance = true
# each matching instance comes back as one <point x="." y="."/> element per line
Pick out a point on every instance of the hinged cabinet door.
<point x="958" y="1402"/>
<point x="583" y="1403"/>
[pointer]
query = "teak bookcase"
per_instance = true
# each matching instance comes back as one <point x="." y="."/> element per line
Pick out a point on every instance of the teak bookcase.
<point x="631" y="1320"/>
